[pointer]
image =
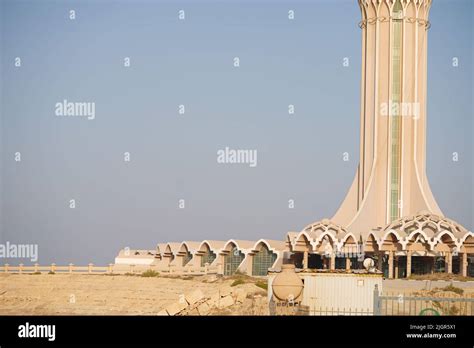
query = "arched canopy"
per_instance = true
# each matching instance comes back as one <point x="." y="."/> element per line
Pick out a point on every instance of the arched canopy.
<point x="213" y="245"/>
<point x="318" y="229"/>
<point x="390" y="241"/>
<point x="188" y="246"/>
<point x="349" y="244"/>
<point x="468" y="243"/>
<point x="172" y="249"/>
<point x="243" y="245"/>
<point x="302" y="242"/>
<point x="273" y="245"/>
<point x="417" y="242"/>
<point x="430" y="224"/>
<point x="160" y="249"/>
<point x="326" y="243"/>
<point x="371" y="244"/>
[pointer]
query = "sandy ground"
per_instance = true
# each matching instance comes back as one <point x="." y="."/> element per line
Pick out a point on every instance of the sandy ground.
<point x="76" y="294"/>
<point x="63" y="294"/>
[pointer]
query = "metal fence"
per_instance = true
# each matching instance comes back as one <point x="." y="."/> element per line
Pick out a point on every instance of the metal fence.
<point x="422" y="305"/>
<point x="285" y="308"/>
<point x="386" y="304"/>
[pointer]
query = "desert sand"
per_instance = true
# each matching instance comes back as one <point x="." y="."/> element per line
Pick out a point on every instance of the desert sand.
<point x="77" y="294"/>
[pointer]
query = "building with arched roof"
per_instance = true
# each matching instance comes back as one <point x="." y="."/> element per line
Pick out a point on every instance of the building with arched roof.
<point x="222" y="257"/>
<point x="389" y="213"/>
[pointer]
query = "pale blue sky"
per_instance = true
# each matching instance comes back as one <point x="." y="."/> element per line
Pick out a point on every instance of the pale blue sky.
<point x="174" y="157"/>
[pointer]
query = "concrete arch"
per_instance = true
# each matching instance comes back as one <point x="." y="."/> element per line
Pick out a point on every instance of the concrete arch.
<point x="334" y="243"/>
<point x="432" y="226"/>
<point x="206" y="250"/>
<point x="229" y="243"/>
<point x="347" y="236"/>
<point x="438" y="238"/>
<point x="160" y="249"/>
<point x="394" y="241"/>
<point x="319" y="239"/>
<point x="229" y="266"/>
<point x="391" y="232"/>
<point x="262" y="242"/>
<point x="411" y="244"/>
<point x="346" y="239"/>
<point x="274" y="247"/>
<point x="412" y="234"/>
<point x="183" y="248"/>
<point x="469" y="235"/>
<point x="172" y="248"/>
<point x="371" y="243"/>
<point x="303" y="237"/>
<point x="204" y="246"/>
<point x="467" y="243"/>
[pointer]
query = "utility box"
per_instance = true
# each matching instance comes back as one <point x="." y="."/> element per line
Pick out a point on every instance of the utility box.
<point x="337" y="293"/>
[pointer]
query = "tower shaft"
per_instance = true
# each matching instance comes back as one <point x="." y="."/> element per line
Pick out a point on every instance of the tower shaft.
<point x="391" y="177"/>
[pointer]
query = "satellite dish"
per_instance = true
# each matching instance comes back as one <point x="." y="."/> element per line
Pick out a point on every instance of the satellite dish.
<point x="369" y="264"/>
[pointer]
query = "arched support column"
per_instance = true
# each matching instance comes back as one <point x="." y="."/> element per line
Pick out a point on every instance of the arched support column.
<point x="449" y="262"/>
<point x="409" y="255"/>
<point x="391" y="256"/>
<point x="463" y="260"/>
<point x="396" y="260"/>
<point x="380" y="261"/>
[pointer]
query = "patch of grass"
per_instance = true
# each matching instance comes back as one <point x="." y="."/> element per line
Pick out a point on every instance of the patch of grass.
<point x="261" y="284"/>
<point x="237" y="282"/>
<point x="150" y="273"/>
<point x="454" y="289"/>
<point x="51" y="272"/>
<point x="36" y="273"/>
<point x="130" y="274"/>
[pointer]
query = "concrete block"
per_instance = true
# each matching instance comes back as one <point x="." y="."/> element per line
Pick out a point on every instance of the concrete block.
<point x="204" y="308"/>
<point x="194" y="296"/>
<point x="176" y="307"/>
<point x="226" y="302"/>
<point x="194" y="312"/>
<point x="240" y="295"/>
<point x="214" y="300"/>
<point x="225" y="291"/>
